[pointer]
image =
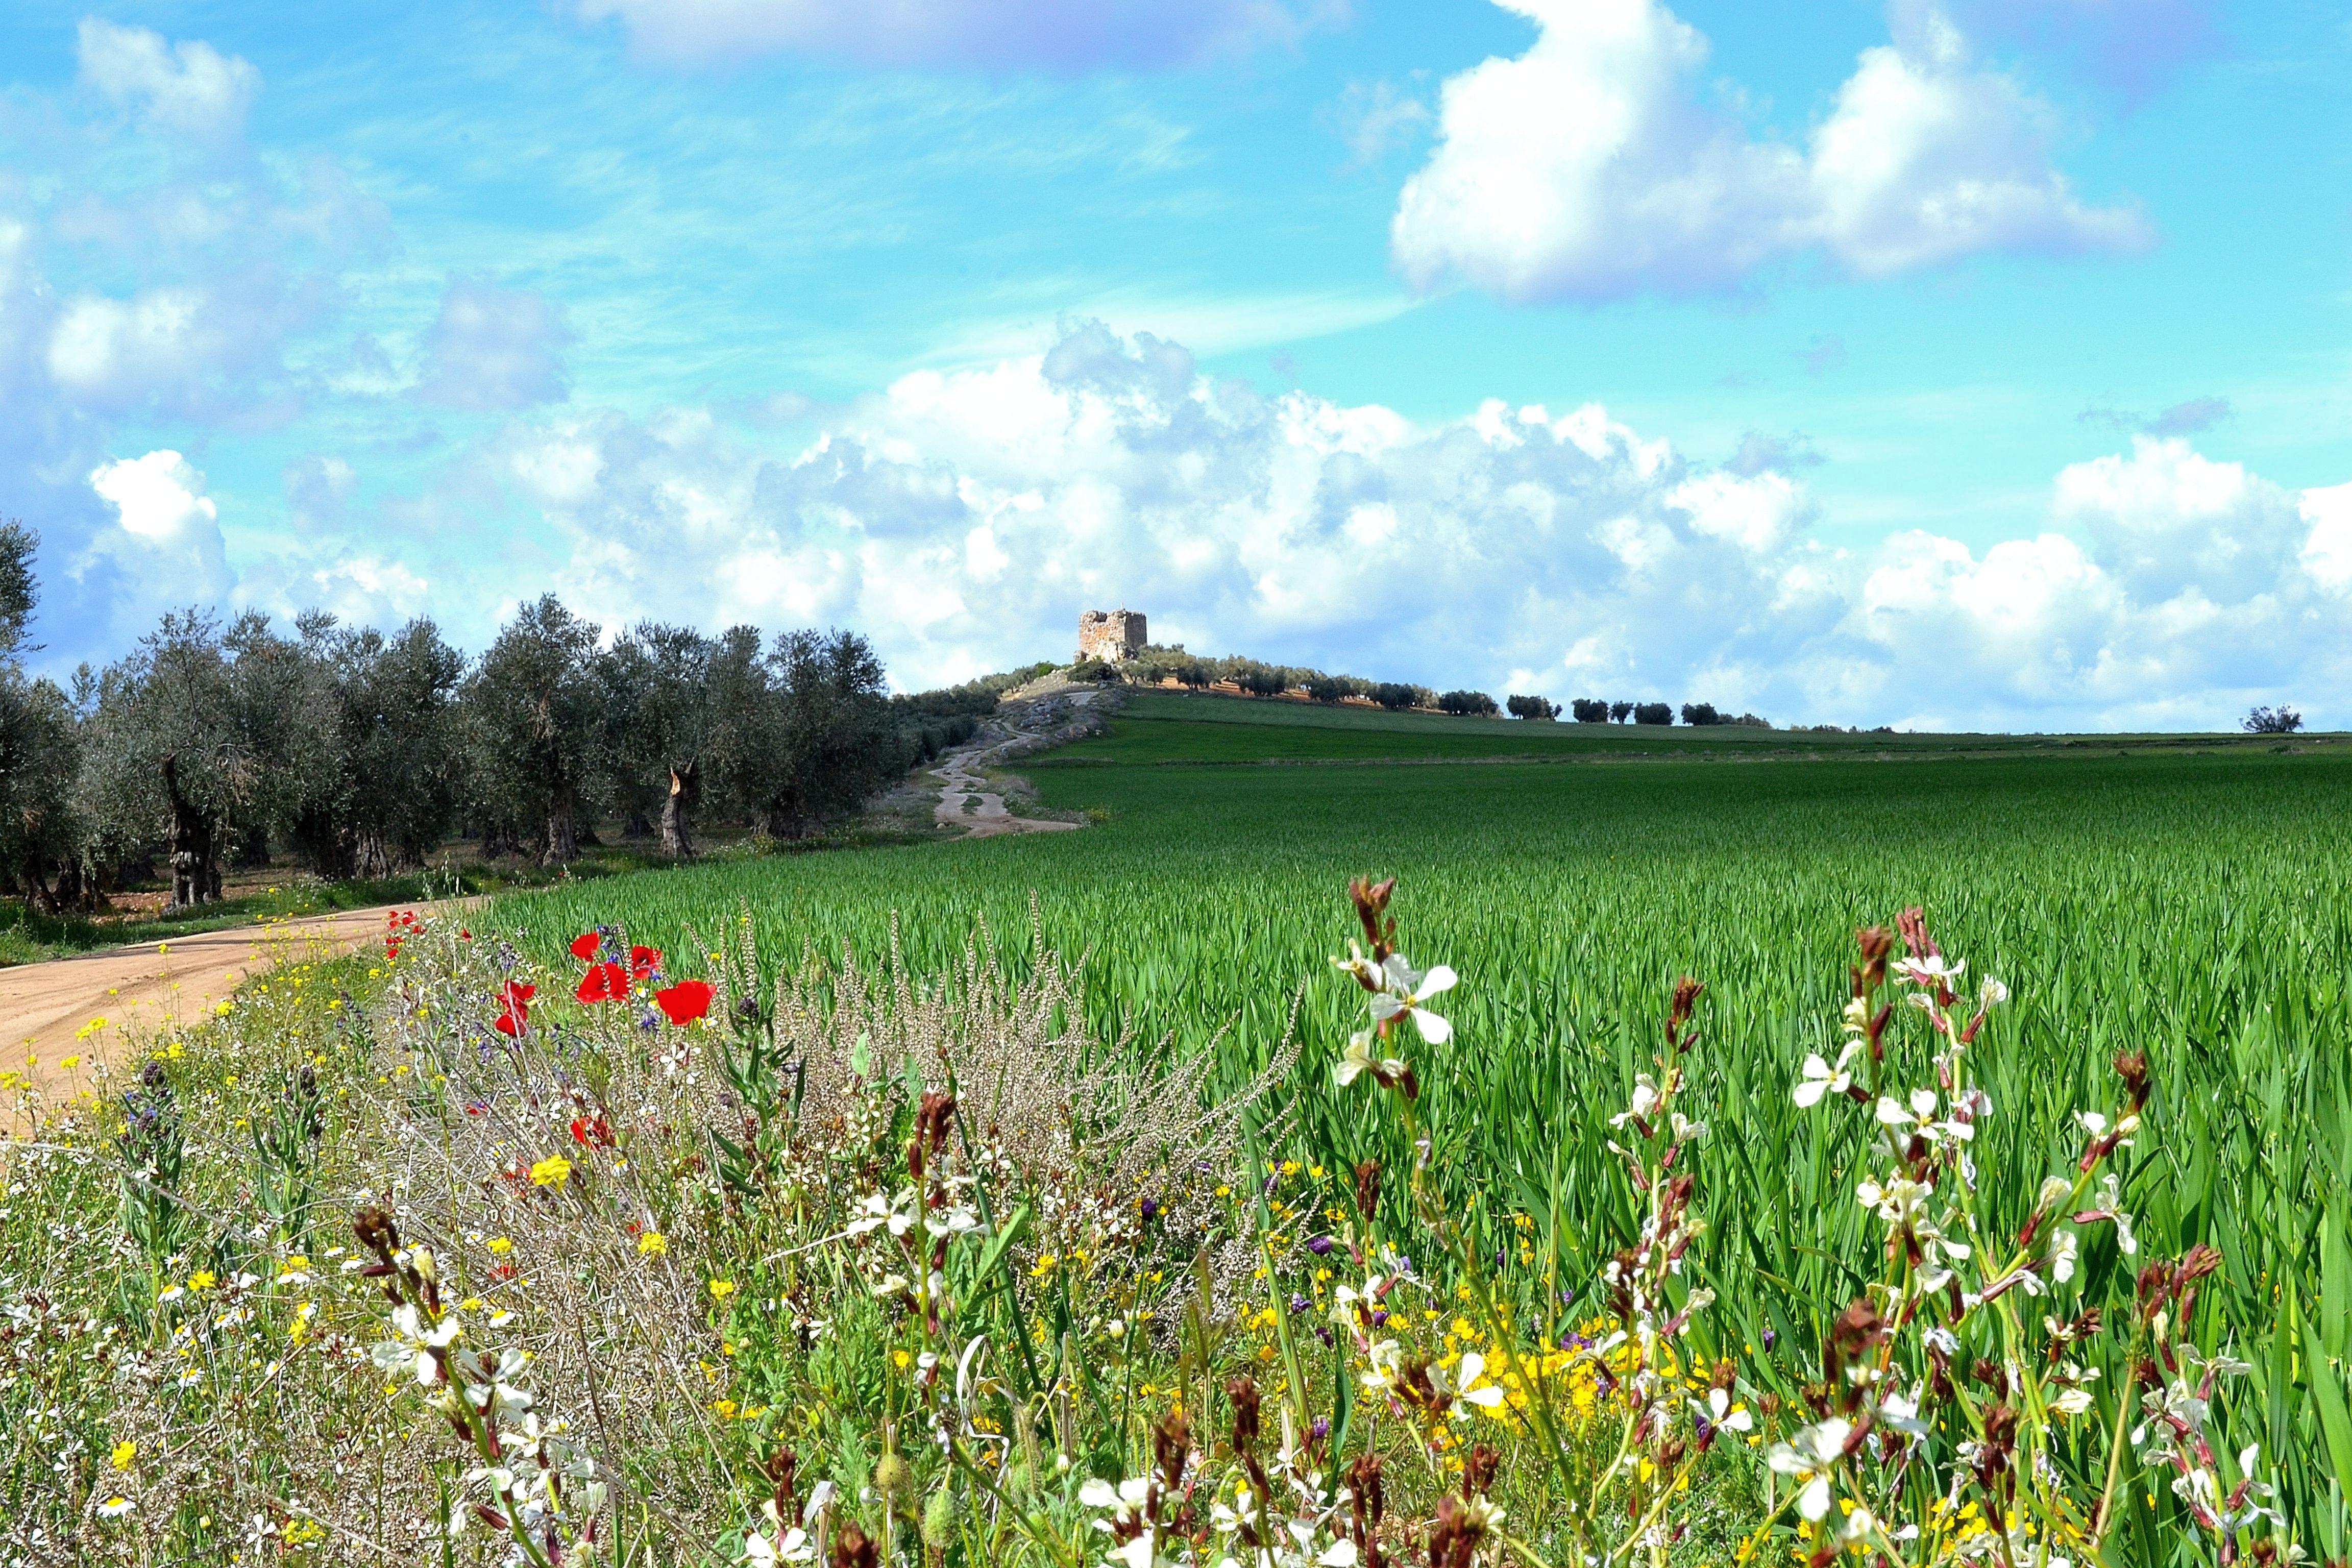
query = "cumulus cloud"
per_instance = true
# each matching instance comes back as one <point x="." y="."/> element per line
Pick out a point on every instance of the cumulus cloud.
<point x="114" y="352"/>
<point x="158" y="497"/>
<point x="2327" y="548"/>
<point x="964" y="517"/>
<point x="2165" y="520"/>
<point x="1052" y="35"/>
<point x="164" y="549"/>
<point x="2203" y="588"/>
<point x="494" y="348"/>
<point x="1590" y="168"/>
<point x="189" y="87"/>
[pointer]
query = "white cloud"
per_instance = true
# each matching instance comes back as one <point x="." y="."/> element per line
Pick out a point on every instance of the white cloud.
<point x="1054" y="34"/>
<point x="116" y="352"/>
<point x="2166" y="519"/>
<point x="158" y="497"/>
<point x="2327" y="548"/>
<point x="1926" y="159"/>
<point x="493" y="348"/>
<point x="368" y="590"/>
<point x="163" y="551"/>
<point x="189" y="87"/>
<point x="1590" y="168"/>
<point x="963" y="518"/>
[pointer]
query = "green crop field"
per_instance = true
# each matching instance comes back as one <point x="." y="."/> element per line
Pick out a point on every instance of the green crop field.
<point x="2185" y="897"/>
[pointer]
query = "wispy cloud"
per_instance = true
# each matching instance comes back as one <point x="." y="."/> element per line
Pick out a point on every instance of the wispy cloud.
<point x="1208" y="322"/>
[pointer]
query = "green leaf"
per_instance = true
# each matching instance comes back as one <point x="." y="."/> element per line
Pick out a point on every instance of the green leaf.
<point x="2328" y="1393"/>
<point x="1006" y="1235"/>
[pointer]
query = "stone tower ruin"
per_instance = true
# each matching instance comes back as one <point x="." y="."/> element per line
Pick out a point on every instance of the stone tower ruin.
<point x="1110" y="634"/>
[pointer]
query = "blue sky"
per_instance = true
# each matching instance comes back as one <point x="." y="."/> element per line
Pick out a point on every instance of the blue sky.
<point x="1981" y="363"/>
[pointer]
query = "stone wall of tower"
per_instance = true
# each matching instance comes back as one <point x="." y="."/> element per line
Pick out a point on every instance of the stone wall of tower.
<point x="1111" y="635"/>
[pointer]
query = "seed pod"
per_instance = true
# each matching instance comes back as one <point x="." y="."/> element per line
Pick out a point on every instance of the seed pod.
<point x="939" y="1520"/>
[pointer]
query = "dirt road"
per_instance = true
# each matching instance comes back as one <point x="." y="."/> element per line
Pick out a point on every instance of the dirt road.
<point x="966" y="802"/>
<point x="47" y="1010"/>
<point x="965" y="799"/>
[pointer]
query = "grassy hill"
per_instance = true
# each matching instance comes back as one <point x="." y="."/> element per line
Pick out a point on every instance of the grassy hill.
<point x="1186" y="728"/>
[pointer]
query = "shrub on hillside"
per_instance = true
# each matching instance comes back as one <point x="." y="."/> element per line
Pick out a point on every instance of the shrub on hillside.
<point x="2279" y="721"/>
<point x="1532" y="708"/>
<point x="1590" y="709"/>
<point x="1652" y="713"/>
<point x="1466" y="703"/>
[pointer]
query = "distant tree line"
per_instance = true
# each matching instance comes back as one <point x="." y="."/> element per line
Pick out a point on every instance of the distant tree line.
<point x="1157" y="665"/>
<point x="220" y="743"/>
<point x="1598" y="710"/>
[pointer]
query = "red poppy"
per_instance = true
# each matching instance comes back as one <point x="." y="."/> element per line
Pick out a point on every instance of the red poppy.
<point x="604" y="982"/>
<point x="643" y="962"/>
<point x="584" y="946"/>
<point x="592" y="1130"/>
<point x="391" y="947"/>
<point x="685" y="1002"/>
<point x="514" y="997"/>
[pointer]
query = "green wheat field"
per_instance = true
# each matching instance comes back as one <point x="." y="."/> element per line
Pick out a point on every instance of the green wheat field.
<point x="2186" y="898"/>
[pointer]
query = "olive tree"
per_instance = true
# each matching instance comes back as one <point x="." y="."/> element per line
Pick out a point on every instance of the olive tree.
<point x="205" y="739"/>
<point x="390" y="794"/>
<point x="41" y="755"/>
<point x="833" y="741"/>
<point x="532" y="714"/>
<point x="658" y="724"/>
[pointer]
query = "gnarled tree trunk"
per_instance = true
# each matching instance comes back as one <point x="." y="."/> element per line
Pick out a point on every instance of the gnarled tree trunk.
<point x="195" y="867"/>
<point x="685" y="787"/>
<point x="372" y="857"/>
<point x="562" y="828"/>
